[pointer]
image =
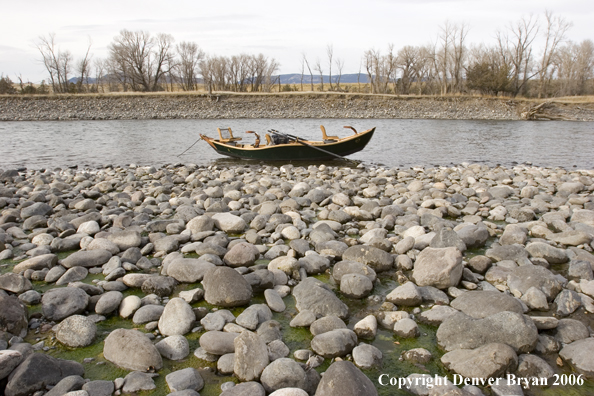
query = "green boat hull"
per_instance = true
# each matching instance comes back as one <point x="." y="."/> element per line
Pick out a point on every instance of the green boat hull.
<point x="297" y="151"/>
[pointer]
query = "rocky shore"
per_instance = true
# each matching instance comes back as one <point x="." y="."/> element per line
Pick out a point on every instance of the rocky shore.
<point x="285" y="281"/>
<point x="330" y="105"/>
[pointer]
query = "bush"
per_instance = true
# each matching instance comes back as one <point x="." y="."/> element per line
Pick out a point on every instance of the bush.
<point x="6" y="86"/>
<point x="488" y="78"/>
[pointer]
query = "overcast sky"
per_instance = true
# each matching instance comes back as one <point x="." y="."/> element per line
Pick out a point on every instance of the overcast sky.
<point x="279" y="29"/>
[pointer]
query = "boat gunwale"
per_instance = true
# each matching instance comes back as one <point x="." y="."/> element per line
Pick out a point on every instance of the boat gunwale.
<point x="316" y="143"/>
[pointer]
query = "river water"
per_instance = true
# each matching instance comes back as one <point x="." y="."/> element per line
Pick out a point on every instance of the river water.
<point x="396" y="143"/>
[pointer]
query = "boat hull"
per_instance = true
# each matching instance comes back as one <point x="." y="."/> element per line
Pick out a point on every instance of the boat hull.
<point x="296" y="151"/>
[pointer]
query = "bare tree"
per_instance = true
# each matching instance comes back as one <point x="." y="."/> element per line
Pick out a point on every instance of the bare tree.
<point x="515" y="48"/>
<point x="140" y="59"/>
<point x="330" y="54"/>
<point x="575" y="65"/>
<point x="84" y="69"/>
<point x="56" y="62"/>
<point x="459" y="55"/>
<point x="309" y="69"/>
<point x="190" y="56"/>
<point x="339" y="67"/>
<point x="555" y="32"/>
<point x="318" y="68"/>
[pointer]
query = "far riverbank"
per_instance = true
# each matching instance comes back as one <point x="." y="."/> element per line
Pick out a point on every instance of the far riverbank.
<point x="308" y="105"/>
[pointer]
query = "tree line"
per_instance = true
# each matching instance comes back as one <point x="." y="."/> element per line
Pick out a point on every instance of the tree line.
<point x="511" y="66"/>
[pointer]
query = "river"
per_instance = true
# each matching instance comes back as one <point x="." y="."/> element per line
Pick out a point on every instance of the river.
<point x="397" y="143"/>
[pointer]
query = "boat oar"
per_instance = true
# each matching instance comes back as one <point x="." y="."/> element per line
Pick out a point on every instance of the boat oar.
<point x="297" y="139"/>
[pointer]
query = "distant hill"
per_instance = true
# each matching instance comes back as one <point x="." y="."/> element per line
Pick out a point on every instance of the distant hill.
<point x="344" y="79"/>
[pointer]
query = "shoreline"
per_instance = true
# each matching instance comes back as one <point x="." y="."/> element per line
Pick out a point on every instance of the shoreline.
<point x="305" y="105"/>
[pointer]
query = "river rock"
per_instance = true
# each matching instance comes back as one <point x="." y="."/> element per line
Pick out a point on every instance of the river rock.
<point x="57" y="304"/>
<point x="229" y="223"/>
<point x="241" y="255"/>
<point x="245" y="389"/>
<point x="352" y="267"/>
<point x="177" y="318"/>
<point x="185" y="379"/>
<point x="367" y="356"/>
<point x="37" y="209"/>
<point x="407" y="294"/>
<point x="138" y="381"/>
<point x="532" y="366"/>
<point x="440" y="268"/>
<point x="550" y="253"/>
<point x="283" y="373"/>
<point x="366" y="327"/>
<point x="570" y="330"/>
<point x="522" y="278"/>
<point x="343" y="378"/>
<point x="132" y="350"/>
<point x="488" y="361"/>
<point x="74" y="274"/>
<point x="274" y="300"/>
<point x="175" y="347"/>
<point x="225" y="287"/>
<point x="162" y="286"/>
<point x="406" y="328"/>
<point x="36" y="263"/>
<point x="334" y="343"/>
<point x="371" y="256"/>
<point x="513" y="329"/>
<point x="480" y="303"/>
<point x="148" y="313"/>
<point x="567" y="302"/>
<point x="355" y="285"/>
<point x="218" y="342"/>
<point x="579" y="355"/>
<point x="37" y="372"/>
<point x="317" y="297"/>
<point x="325" y="324"/>
<point x="125" y="239"/>
<point x="15" y="283"/>
<point x="129" y="306"/>
<point x="9" y="360"/>
<point x="76" y="331"/>
<point x="187" y="270"/>
<point x="251" y="356"/>
<point x="87" y="258"/>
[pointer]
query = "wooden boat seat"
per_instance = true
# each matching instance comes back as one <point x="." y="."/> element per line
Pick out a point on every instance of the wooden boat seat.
<point x="226" y="135"/>
<point x="326" y="137"/>
<point x="268" y="140"/>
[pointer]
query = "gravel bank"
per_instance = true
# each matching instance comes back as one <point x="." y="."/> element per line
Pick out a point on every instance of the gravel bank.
<point x="169" y="106"/>
<point x="217" y="269"/>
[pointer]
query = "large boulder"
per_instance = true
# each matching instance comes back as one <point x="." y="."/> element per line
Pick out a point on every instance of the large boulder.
<point x="225" y="287"/>
<point x="37" y="372"/>
<point x="132" y="350"/>
<point x="343" y="378"/>
<point x="57" y="304"/>
<point x="482" y="303"/>
<point x="241" y="254"/>
<point x="314" y="295"/>
<point x="460" y="331"/>
<point x="441" y="268"/>
<point x="125" y="239"/>
<point x="550" y="253"/>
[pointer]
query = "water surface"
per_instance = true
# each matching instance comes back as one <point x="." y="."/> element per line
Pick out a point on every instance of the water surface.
<point x="397" y="143"/>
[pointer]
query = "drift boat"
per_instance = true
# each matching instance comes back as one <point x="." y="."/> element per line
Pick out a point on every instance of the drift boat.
<point x="284" y="147"/>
